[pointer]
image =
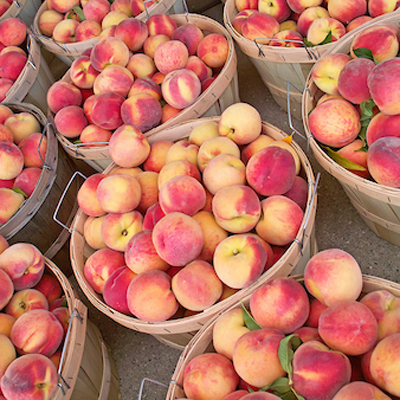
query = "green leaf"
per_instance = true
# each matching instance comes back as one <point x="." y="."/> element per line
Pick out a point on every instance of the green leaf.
<point x="287" y="346"/>
<point x="298" y="396"/>
<point x="328" y="38"/>
<point x="342" y="161"/>
<point x="363" y="52"/>
<point x="249" y="320"/>
<point x="288" y="396"/>
<point x="363" y="136"/>
<point x="281" y="385"/>
<point x="77" y="142"/>
<point x="16" y="189"/>
<point x="79" y="12"/>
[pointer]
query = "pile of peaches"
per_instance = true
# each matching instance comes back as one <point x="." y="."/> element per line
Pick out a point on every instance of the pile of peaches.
<point x="143" y="74"/>
<point x="22" y="155"/>
<point x="177" y="226"/>
<point x="293" y="23"/>
<point x="13" y="54"/>
<point x="34" y="320"/>
<point x="323" y="338"/>
<point x="356" y="120"/>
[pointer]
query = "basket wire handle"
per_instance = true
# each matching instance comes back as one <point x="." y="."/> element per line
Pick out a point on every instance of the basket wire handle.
<point x="310" y="53"/>
<point x="55" y="218"/>
<point x="75" y="314"/>
<point x="16" y="3"/>
<point x="48" y="125"/>
<point x="144" y="380"/>
<point x="28" y="49"/>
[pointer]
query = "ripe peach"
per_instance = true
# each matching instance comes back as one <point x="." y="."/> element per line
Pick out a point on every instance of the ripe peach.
<point x="11" y="160"/>
<point x="70" y="121"/>
<point x="62" y="94"/>
<point x="27" y="180"/>
<point x="170" y="56"/>
<point x="356" y="22"/>
<point x="12" y="31"/>
<point x="156" y="158"/>
<point x="149" y="183"/>
<point x="353" y="153"/>
<point x="322" y="27"/>
<point x="11" y="201"/>
<point x="199" y="68"/>
<point x="34" y="149"/>
<point x="5" y="86"/>
<point x="113" y="78"/>
<point x="110" y="50"/>
<point x="94" y="136"/>
<point x="316" y="308"/>
<point x="241" y="18"/>
<point x="168" y="112"/>
<point x="106" y="110"/>
<point x="203" y="131"/>
<point x="5" y="133"/>
<point x="298" y="192"/>
<point x="175" y="168"/>
<point x="161" y="24"/>
<point x="7" y="355"/>
<point x="146" y="85"/>
<point x="308" y="16"/>
<point x="347" y="12"/>
<point x="96" y="10"/>
<point x="122" y="5"/>
<point x="261" y="142"/>
<point x="356" y="389"/>
<point x="382" y="125"/>
<point x="153" y="214"/>
<point x="377" y="8"/>
<point x="92" y="232"/>
<point x="87" y="30"/>
<point x="47" y="20"/>
<point x="260" y="25"/>
<point x="11" y="64"/>
<point x="6" y="323"/>
<point x="25" y="300"/>
<point x="182" y="150"/>
<point x="112" y="19"/>
<point x="6" y="289"/>
<point x="152" y="42"/>
<point x="86" y="196"/>
<point x="133" y="32"/>
<point x="65" y="31"/>
<point x="141" y="65"/>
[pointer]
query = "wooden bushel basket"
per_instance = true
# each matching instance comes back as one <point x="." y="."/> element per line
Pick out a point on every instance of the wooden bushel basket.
<point x="222" y="93"/>
<point x="86" y="370"/>
<point x="202" y="342"/>
<point x="377" y="205"/>
<point x="33" y="221"/>
<point x="178" y="332"/>
<point x="23" y="9"/>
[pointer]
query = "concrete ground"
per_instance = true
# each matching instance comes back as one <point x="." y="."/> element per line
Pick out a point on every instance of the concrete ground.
<point x="138" y="356"/>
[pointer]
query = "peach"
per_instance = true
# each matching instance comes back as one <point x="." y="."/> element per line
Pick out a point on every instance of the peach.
<point x="316" y="308"/>
<point x="356" y="22"/>
<point x="94" y="136"/>
<point x="279" y="9"/>
<point x="6" y="289"/>
<point x="197" y="286"/>
<point x="129" y="171"/>
<point x="50" y="287"/>
<point x="5" y="86"/>
<point x="47" y="20"/>
<point x="86" y="196"/>
<point x="65" y="31"/>
<point x="27" y="180"/>
<point x="34" y="149"/>
<point x="348" y="326"/>
<point x="87" y="30"/>
<point x="106" y="110"/>
<point x="203" y="131"/>
<point x="353" y="153"/>
<point x="360" y="389"/>
<point x="199" y="68"/>
<point x="31" y="375"/>
<point x="26" y="300"/>
<point x="334" y="123"/>
<point x="37" y="331"/>
<point x="239" y="260"/>
<point x="236" y="395"/>
<point x="70" y="121"/>
<point x="141" y="65"/>
<point x="298" y="6"/>
<point x="128" y="146"/>
<point x="133" y="32"/>
<point x="141" y="110"/>
<point x="139" y="6"/>
<point x="12" y="31"/>
<point x="318" y="369"/>
<point x="190" y="35"/>
<point x="11" y="160"/>
<point x="156" y="158"/>
<point x="170" y="56"/>
<point x="22" y="125"/>
<point x="153" y="214"/>
<point x="62" y="94"/>
<point x="149" y="183"/>
<point x="255" y="357"/>
<point x="241" y="18"/>
<point x="261" y="142"/>
<point x="307" y="333"/>
<point x="152" y="42"/>
<point x="345" y="12"/>
<point x="182" y="150"/>
<point x="145" y="85"/>
<point x="327" y="271"/>
<point x="285" y="145"/>
<point x="386" y="48"/>
<point x="308" y="16"/>
<point x="324" y="26"/>
<point x="6" y="323"/>
<point x="382" y="84"/>
<point x="377" y="8"/>
<point x="92" y="232"/>
<point x="122" y="5"/>
<point x="7" y="183"/>
<point x="24" y="263"/>
<point x="96" y="10"/>
<point x="116" y="287"/>
<point x="246" y="5"/>
<point x="178" y="238"/>
<point x="110" y="50"/>
<point x="260" y="26"/>
<point x="107" y="32"/>
<point x="213" y="49"/>
<point x="8" y="353"/>
<point x="382" y="161"/>
<point x="209" y="375"/>
<point x="181" y="88"/>
<point x="175" y="168"/>
<point x="287" y="38"/>
<point x="298" y="192"/>
<point x="150" y="297"/>
<point x="10" y="201"/>
<point x="113" y="78"/>
<point x="112" y="19"/>
<point x="382" y="125"/>
<point x="161" y="24"/>
<point x="278" y="171"/>
<point x="5" y="112"/>
<point x="11" y="64"/>
<point x="5" y="133"/>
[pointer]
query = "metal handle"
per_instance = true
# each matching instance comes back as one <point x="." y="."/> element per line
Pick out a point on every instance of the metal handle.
<point x="148" y="380"/>
<point x="48" y="125"/>
<point x="62" y="199"/>
<point x="310" y="53"/>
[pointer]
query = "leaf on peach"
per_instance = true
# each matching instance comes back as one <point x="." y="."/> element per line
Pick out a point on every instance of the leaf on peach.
<point x="249" y="320"/>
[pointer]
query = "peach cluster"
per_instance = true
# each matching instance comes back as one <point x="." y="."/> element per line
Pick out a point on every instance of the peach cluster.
<point x="141" y="74"/>
<point x="13" y="52"/>
<point x="349" y="345"/>
<point x="365" y="79"/>
<point x="295" y="23"/>
<point x="34" y="319"/>
<point x="193" y="220"/>
<point x="22" y="155"/>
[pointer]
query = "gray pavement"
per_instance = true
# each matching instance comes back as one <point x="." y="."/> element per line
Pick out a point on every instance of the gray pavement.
<point x="138" y="356"/>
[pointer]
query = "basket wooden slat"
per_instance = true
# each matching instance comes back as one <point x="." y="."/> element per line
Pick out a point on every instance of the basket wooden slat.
<point x="23" y="9"/>
<point x="202" y="342"/>
<point x="377" y="205"/>
<point x="180" y="331"/>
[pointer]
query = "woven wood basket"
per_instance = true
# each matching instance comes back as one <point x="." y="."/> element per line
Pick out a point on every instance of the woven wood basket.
<point x="202" y="342"/>
<point x="178" y="332"/>
<point x="223" y="92"/>
<point x="377" y="205"/>
<point x="23" y="9"/>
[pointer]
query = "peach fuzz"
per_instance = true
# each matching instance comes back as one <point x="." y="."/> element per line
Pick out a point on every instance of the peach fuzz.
<point x="382" y="161"/>
<point x="116" y="287"/>
<point x="246" y="5"/>
<point x="322" y="27"/>
<point x="259" y="25"/>
<point x="152" y="42"/>
<point x="199" y="68"/>
<point x="228" y="328"/>
<point x="133" y="32"/>
<point x="94" y="136"/>
<point x="110" y="50"/>
<point x="196" y="286"/>
<point x="13" y="31"/>
<point x="86" y="196"/>
<point x="152" y="216"/>
<point x="65" y="31"/>
<point x="377" y="8"/>
<point x="383" y="86"/>
<point x="168" y="112"/>
<point x="107" y="32"/>
<point x="100" y="265"/>
<point x="298" y="6"/>
<point x="236" y="208"/>
<point x="175" y="168"/>
<point x="128" y="146"/>
<point x="190" y="35"/>
<point x="11" y="64"/>
<point x="182" y="150"/>
<point x="24" y="263"/>
<point x="356" y="22"/>
<point x="30" y="375"/>
<point x="359" y="389"/>
<point x="156" y="158"/>
<point x="5" y="86"/>
<point x="22" y="125"/>
<point x="106" y="110"/>
<point x="294" y="305"/>
<point x="352" y="81"/>
<point x="241" y="18"/>
<point x="318" y="369"/>
<point x="222" y="171"/>
<point x="122" y="5"/>
<point x="326" y="72"/>
<point x="285" y="145"/>
<point x="6" y="323"/>
<point x="385" y="366"/>
<point x="5" y="112"/>
<point x="348" y="326"/>
<point x="34" y="149"/>
<point x="11" y="160"/>
<point x="146" y="85"/>
<point x="298" y="192"/>
<point x="278" y="171"/>
<point x="308" y="16"/>
<point x="161" y="24"/>
<point x="334" y="123"/>
<point x="141" y="110"/>
<point x="70" y="121"/>
<point x="11" y="201"/>
<point x="87" y="30"/>
<point x="203" y="131"/>
<point x="113" y="18"/>
<point x="141" y="65"/>
<point x="62" y="94"/>
<point x="50" y="287"/>
<point x="26" y="300"/>
<point x="345" y="12"/>
<point x="178" y="238"/>
<point x="6" y="289"/>
<point x="209" y="375"/>
<point x="327" y="271"/>
<point x="181" y="88"/>
<point x="150" y="297"/>
<point x="96" y="10"/>
<point x="113" y="78"/>
<point x="27" y="180"/>
<point x="213" y="50"/>
<point x="149" y="183"/>
<point x="268" y="249"/>
<point x="170" y="56"/>
<point x="279" y="9"/>
<point x="287" y="38"/>
<point x="47" y="20"/>
<point x="7" y="355"/>
<point x="37" y="331"/>
<point x="255" y="357"/>
<point x="316" y="309"/>
<point x="385" y="48"/>
<point x="250" y="149"/>
<point x="382" y="125"/>
<point x="353" y="153"/>
<point x="92" y="232"/>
